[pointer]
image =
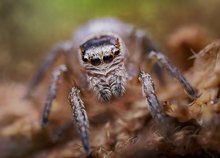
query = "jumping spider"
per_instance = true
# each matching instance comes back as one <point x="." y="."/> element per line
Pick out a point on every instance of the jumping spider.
<point x="109" y="52"/>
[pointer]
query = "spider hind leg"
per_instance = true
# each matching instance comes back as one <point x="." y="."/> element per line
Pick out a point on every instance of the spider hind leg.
<point x="49" y="60"/>
<point x="164" y="62"/>
<point x="51" y="95"/>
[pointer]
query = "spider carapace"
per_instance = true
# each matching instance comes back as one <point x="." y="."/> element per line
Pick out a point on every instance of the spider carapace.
<point x="110" y="53"/>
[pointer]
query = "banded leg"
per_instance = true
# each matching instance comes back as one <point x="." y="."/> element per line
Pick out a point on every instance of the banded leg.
<point x="174" y="72"/>
<point x="156" y="110"/>
<point x="51" y="95"/>
<point x="169" y="125"/>
<point x="48" y="61"/>
<point x="80" y="117"/>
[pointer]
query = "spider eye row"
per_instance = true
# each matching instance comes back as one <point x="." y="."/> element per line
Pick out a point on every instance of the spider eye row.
<point x="106" y="58"/>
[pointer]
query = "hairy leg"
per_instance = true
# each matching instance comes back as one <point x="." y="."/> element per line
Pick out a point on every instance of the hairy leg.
<point x="51" y="95"/>
<point x="153" y="52"/>
<point x="80" y="117"/>
<point x="168" y="125"/>
<point x="156" y="110"/>
<point x="48" y="61"/>
<point x="164" y="62"/>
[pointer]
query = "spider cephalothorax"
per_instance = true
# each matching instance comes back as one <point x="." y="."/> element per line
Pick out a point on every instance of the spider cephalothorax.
<point x="103" y="58"/>
<point x="108" y="66"/>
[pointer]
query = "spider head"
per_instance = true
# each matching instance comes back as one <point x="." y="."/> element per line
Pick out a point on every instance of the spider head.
<point x="100" y="50"/>
<point x="103" y="59"/>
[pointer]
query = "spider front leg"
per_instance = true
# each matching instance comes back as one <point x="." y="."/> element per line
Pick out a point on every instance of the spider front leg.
<point x="80" y="117"/>
<point x="173" y="71"/>
<point x="156" y="110"/>
<point x="51" y="95"/>
<point x="169" y="125"/>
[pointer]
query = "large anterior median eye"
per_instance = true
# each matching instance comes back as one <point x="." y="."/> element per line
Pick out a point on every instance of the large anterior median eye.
<point x="108" y="58"/>
<point x="95" y="61"/>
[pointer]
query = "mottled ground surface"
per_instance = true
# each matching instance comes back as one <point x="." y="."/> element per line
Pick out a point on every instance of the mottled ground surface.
<point x="123" y="127"/>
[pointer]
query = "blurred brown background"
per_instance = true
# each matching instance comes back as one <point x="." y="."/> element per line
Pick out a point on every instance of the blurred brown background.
<point x="28" y="28"/>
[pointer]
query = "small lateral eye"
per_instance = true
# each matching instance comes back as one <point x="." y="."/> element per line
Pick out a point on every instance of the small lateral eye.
<point x="82" y="50"/>
<point x="85" y="59"/>
<point x="108" y="58"/>
<point x="95" y="61"/>
<point x="116" y="52"/>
